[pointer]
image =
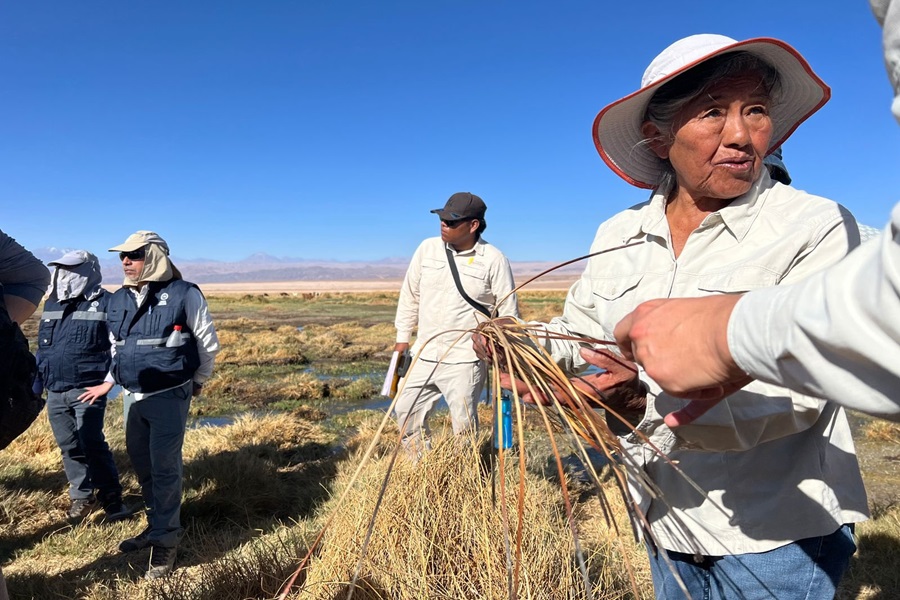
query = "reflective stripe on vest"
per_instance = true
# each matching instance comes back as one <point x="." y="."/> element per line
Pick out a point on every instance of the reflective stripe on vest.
<point x="158" y="341"/>
<point x="89" y="315"/>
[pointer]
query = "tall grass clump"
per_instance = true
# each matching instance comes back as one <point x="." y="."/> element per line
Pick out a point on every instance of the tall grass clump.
<point x="440" y="534"/>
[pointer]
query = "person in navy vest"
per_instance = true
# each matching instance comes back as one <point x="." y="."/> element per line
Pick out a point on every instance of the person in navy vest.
<point x="159" y="372"/>
<point x="73" y="354"/>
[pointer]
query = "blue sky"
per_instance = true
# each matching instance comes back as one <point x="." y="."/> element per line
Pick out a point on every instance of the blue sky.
<point x="329" y="129"/>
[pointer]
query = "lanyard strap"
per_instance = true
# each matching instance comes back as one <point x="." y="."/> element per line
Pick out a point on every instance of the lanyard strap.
<point x="476" y="305"/>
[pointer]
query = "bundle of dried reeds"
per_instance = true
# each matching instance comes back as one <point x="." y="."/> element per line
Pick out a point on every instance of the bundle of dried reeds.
<point x="439" y="533"/>
<point x="567" y="409"/>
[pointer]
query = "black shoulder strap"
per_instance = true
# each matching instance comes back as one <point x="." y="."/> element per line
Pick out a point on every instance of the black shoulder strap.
<point x="476" y="305"/>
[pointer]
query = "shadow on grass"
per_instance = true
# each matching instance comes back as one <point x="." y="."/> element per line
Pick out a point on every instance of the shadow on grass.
<point x="75" y="583"/>
<point x="42" y="482"/>
<point x="873" y="571"/>
<point x="231" y="497"/>
<point x="53" y="483"/>
<point x="365" y="589"/>
<point x="31" y="480"/>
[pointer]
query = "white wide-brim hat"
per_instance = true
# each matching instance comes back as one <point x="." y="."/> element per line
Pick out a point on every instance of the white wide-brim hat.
<point x="617" y="128"/>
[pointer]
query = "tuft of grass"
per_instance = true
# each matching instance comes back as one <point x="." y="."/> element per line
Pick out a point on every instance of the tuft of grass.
<point x="300" y="386"/>
<point x="356" y="389"/>
<point x="882" y="431"/>
<point x="440" y="534"/>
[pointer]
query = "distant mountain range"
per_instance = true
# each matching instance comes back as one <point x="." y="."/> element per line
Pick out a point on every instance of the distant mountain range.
<point x="262" y="267"/>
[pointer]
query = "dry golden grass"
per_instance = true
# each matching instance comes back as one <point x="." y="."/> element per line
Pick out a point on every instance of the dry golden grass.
<point x="247" y="488"/>
<point x="440" y="534"/>
<point x="540" y="306"/>
<point x="349" y="341"/>
<point x="243" y="484"/>
<point x="265" y="365"/>
<point x="250" y="342"/>
<point x="257" y="493"/>
<point x="873" y="570"/>
<point x="259" y="490"/>
<point x="882" y="431"/>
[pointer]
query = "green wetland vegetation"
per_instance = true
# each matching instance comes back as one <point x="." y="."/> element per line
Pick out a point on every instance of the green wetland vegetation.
<point x="274" y="445"/>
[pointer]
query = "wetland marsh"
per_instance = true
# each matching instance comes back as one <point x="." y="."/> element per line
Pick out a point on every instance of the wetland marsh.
<point x="293" y="400"/>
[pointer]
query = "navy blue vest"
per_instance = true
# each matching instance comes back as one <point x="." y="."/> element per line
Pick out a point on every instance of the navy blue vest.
<point x="73" y="343"/>
<point x="142" y="362"/>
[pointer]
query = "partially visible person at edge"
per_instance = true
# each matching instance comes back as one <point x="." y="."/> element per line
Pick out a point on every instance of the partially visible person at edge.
<point x="23" y="282"/>
<point x="158" y="382"/>
<point x="708" y="111"/>
<point x="836" y="335"/>
<point x="73" y="354"/>
<point x="778" y="172"/>
<point x="775" y="165"/>
<point x="431" y="304"/>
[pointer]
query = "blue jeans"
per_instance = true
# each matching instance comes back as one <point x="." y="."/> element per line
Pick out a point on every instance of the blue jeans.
<point x="154" y="436"/>
<point x="78" y="429"/>
<point x="809" y="569"/>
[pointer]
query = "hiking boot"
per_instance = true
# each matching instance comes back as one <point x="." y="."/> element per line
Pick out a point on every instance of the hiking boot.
<point x="117" y="511"/>
<point x="162" y="562"/>
<point x="138" y="542"/>
<point x="82" y="507"/>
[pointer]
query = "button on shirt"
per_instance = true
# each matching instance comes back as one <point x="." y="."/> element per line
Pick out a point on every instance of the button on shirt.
<point x="430" y="301"/>
<point x="776" y="466"/>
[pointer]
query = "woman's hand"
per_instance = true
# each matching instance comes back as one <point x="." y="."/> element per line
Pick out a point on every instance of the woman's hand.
<point x="619" y="385"/>
<point x="482" y="346"/>
<point x="617" y="388"/>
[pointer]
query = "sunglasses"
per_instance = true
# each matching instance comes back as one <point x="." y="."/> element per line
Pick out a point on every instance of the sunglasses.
<point x="454" y="223"/>
<point x="133" y="255"/>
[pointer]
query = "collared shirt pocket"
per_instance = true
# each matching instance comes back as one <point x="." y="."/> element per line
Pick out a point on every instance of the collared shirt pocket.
<point x="611" y="289"/>
<point x="45" y="332"/>
<point x="433" y="272"/>
<point x="737" y="281"/>
<point x="474" y="278"/>
<point x="615" y="297"/>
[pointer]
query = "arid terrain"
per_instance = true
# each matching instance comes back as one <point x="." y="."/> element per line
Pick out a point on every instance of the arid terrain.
<point x="547" y="283"/>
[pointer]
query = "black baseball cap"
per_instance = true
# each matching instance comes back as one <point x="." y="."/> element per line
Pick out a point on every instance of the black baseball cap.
<point x="462" y="205"/>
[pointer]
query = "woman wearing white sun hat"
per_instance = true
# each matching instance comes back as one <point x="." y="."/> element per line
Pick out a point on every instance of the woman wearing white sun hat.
<point x="836" y="334"/>
<point x="780" y="482"/>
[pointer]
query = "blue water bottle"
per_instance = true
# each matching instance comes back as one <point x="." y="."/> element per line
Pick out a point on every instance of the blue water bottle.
<point x="506" y="423"/>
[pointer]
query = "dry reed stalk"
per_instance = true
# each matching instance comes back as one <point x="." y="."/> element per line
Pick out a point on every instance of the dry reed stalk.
<point x="439" y="533"/>
<point x="883" y="431"/>
<point x="516" y="350"/>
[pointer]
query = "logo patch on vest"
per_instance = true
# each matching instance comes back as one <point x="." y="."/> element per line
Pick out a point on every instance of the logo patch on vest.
<point x="162" y="299"/>
<point x="94" y="306"/>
